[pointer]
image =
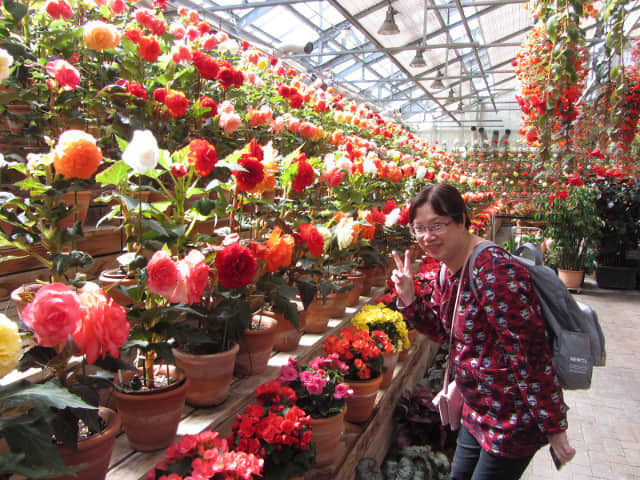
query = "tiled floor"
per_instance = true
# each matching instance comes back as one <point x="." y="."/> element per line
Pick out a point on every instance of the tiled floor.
<point x="604" y="421"/>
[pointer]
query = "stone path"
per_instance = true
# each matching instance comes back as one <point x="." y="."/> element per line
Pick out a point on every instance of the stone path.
<point x="604" y="421"/>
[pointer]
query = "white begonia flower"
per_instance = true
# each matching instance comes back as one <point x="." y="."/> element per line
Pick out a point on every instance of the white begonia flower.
<point x="392" y="217"/>
<point x="34" y="160"/>
<point x="344" y="233"/>
<point x="421" y="171"/>
<point x="142" y="153"/>
<point x="368" y="166"/>
<point x="229" y="45"/>
<point x="6" y="60"/>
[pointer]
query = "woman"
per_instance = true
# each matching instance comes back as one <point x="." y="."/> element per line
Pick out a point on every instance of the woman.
<point x="500" y="353"/>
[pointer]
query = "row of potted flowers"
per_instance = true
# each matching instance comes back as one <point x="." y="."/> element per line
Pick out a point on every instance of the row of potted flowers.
<point x="89" y="323"/>
<point x="298" y="418"/>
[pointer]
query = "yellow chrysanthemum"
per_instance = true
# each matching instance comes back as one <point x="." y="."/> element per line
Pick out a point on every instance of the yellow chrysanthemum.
<point x="381" y="317"/>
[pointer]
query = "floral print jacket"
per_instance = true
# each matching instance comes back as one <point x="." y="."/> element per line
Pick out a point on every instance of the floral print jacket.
<point x="501" y="354"/>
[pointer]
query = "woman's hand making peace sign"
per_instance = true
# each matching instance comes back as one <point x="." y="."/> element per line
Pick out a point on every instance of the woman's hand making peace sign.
<point x="402" y="277"/>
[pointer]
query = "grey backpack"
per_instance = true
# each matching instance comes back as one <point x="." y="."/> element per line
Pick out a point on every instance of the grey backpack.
<point x="576" y="336"/>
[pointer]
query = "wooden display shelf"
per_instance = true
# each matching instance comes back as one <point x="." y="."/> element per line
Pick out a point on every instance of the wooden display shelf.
<point x="103" y="244"/>
<point x="369" y="439"/>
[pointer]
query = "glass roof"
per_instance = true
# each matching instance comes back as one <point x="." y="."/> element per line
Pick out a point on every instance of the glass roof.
<point x="468" y="45"/>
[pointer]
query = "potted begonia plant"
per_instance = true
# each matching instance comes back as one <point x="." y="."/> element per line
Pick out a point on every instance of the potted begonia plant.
<point x="363" y="357"/>
<point x="62" y="416"/>
<point x="206" y="455"/>
<point x="44" y="211"/>
<point x="277" y="430"/>
<point x="322" y="393"/>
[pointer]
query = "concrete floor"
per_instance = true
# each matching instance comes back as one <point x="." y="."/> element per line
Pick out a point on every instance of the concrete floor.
<point x="604" y="421"/>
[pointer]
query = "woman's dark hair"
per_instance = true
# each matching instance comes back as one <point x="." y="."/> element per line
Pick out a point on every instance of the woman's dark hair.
<point x="445" y="200"/>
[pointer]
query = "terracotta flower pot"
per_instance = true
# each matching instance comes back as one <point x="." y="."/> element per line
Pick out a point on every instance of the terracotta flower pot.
<point x="367" y="282"/>
<point x="318" y="313"/>
<point x="571" y="278"/>
<point x="110" y="278"/>
<point x="209" y="375"/>
<point x="91" y="460"/>
<point x="83" y="200"/>
<point x="340" y="303"/>
<point x="287" y="335"/>
<point x="413" y="334"/>
<point x="151" y="418"/>
<point x="389" y="365"/>
<point x="256" y="346"/>
<point x="360" y="406"/>
<point x="357" y="279"/>
<point x="326" y="432"/>
<point x="23" y="295"/>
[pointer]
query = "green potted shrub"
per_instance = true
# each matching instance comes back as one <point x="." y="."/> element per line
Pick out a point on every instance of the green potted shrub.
<point x="573" y="223"/>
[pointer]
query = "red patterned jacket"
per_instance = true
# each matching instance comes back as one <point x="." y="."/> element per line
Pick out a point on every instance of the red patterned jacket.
<point x="501" y="355"/>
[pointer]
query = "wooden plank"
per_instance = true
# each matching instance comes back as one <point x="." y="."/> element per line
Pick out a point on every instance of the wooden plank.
<point x="11" y="282"/>
<point x="96" y="242"/>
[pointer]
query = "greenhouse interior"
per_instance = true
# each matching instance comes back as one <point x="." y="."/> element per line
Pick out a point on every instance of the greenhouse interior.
<point x="260" y="239"/>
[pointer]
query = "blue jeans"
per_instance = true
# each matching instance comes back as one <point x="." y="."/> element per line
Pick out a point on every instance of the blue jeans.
<point x="471" y="462"/>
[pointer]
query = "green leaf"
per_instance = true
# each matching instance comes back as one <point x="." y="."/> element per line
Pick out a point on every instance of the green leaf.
<point x="155" y="226"/>
<point x="17" y="10"/>
<point x="552" y="27"/>
<point x="116" y="174"/>
<point x="32" y="454"/>
<point x="43" y="396"/>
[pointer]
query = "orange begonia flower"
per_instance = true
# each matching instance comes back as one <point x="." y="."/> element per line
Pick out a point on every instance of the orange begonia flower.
<point x="76" y="155"/>
<point x="280" y="250"/>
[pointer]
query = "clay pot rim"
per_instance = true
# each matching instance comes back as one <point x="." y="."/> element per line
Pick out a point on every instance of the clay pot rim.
<point x="272" y="324"/>
<point x="167" y="390"/>
<point x="235" y="346"/>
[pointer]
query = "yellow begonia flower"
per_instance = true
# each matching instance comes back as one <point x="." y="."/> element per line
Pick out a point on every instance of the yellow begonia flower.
<point x="10" y="345"/>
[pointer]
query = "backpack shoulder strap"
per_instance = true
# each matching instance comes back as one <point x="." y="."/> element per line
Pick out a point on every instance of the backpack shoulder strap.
<point x="477" y="250"/>
<point x="443" y="272"/>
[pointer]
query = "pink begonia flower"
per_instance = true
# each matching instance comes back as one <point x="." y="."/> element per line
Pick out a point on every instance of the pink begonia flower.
<point x="277" y="125"/>
<point x="163" y="274"/>
<point x="230" y="122"/>
<point x="67" y="76"/>
<point x="287" y="374"/>
<point x="53" y="314"/>
<point x="177" y="30"/>
<point x="293" y="123"/>
<point x="342" y="391"/>
<point x="226" y="107"/>
<point x="117" y="6"/>
<point x="58" y="9"/>
<point x="343" y="163"/>
<point x="193" y="278"/>
<point x="103" y="325"/>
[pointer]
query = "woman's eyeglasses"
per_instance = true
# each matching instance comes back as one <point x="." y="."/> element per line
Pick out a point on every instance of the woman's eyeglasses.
<point x="423" y="229"/>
